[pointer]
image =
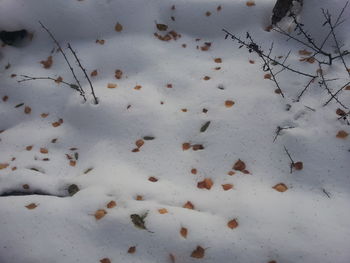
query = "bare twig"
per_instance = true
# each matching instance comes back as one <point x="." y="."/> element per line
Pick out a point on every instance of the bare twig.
<point x="291" y="160"/>
<point x="306" y="87"/>
<point x="83" y="69"/>
<point x="279" y="130"/>
<point x="326" y="193"/>
<point x="65" y="58"/>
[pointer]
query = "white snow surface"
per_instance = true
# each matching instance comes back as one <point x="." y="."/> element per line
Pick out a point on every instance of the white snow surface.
<point x="301" y="224"/>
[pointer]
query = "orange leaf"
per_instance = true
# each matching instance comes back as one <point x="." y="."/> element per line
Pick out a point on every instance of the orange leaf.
<point x="188" y="205"/>
<point x="250" y="3"/>
<point x="162" y="211"/>
<point x="105" y="260"/>
<point x="94" y="73"/>
<point x="207" y="183"/>
<point x="3" y="165"/>
<point x="132" y="250"/>
<point x="47" y="63"/>
<point x="198" y="252"/>
<point x="118" y="27"/>
<point x="227" y="186"/>
<point x="186" y="146"/>
<point x="239" y="165"/>
<point x="281" y="187"/>
<point x="111" y="204"/>
<point x="342" y="134"/>
<point x="100" y="213"/>
<point x="229" y="103"/>
<point x="44" y="150"/>
<point x="232" y="223"/>
<point x="111" y="85"/>
<point x="31" y="206"/>
<point x="217" y="60"/>
<point x="183" y="232"/>
<point x="139" y="143"/>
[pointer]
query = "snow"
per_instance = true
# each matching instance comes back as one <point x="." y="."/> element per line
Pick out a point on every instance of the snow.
<point x="299" y="225"/>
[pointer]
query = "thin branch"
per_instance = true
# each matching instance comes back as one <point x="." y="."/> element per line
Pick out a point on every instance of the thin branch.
<point x="279" y="130"/>
<point x="291" y="160"/>
<point x="335" y="94"/>
<point x="28" y="78"/>
<point x="306" y="87"/>
<point x="83" y="69"/>
<point x="65" y="57"/>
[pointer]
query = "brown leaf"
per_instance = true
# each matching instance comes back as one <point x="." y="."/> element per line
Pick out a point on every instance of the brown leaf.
<point x="207" y="183"/>
<point x="231" y="173"/>
<point x="227" y="186"/>
<point x="169" y="86"/>
<point x="59" y="80"/>
<point x="29" y="148"/>
<point x="47" y="63"/>
<point x="139" y="197"/>
<point x="197" y="147"/>
<point x="206" y="78"/>
<point x="250" y="3"/>
<point x="186" y="146"/>
<point x="217" y="60"/>
<point x="138" y="87"/>
<point x="251" y="61"/>
<point x="31" y="206"/>
<point x="105" y="260"/>
<point x="310" y="60"/>
<point x="3" y="165"/>
<point x="198" y="252"/>
<point x="219" y="8"/>
<point x="304" y="52"/>
<point x="94" y="73"/>
<point x="342" y="134"/>
<point x="340" y="112"/>
<point x="27" y="110"/>
<point x="135" y="150"/>
<point x="162" y="211"/>
<point x="100" y="213"/>
<point x="183" y="232"/>
<point x="72" y="163"/>
<point x="208" y="13"/>
<point x="118" y="74"/>
<point x="347" y="87"/>
<point x="229" y="103"/>
<point x="111" y="85"/>
<point x="132" y="250"/>
<point x="239" y="165"/>
<point x="188" y="205"/>
<point x="56" y="124"/>
<point x="25" y="186"/>
<point x="100" y="41"/>
<point x="152" y="179"/>
<point x="44" y="150"/>
<point x="267" y="76"/>
<point x="232" y="223"/>
<point x="298" y="165"/>
<point x="281" y="187"/>
<point x="139" y="143"/>
<point x="162" y="27"/>
<point x="44" y="115"/>
<point x="5" y="98"/>
<point x="194" y="171"/>
<point x="111" y="204"/>
<point x="118" y="27"/>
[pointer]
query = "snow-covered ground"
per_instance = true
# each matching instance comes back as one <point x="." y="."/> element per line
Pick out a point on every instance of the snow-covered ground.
<point x="167" y="92"/>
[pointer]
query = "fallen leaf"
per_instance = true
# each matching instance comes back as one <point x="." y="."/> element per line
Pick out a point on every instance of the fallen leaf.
<point x="25" y="186"/>
<point x="139" y="143"/>
<point x="267" y="76"/>
<point x="132" y="250"/>
<point x="137" y="87"/>
<point x="208" y="13"/>
<point x="340" y="112"/>
<point x="206" y="78"/>
<point x="169" y="86"/>
<point x="111" y="85"/>
<point x="198" y="252"/>
<point x="139" y="197"/>
<point x="72" y="163"/>
<point x="5" y="98"/>
<point x="205" y="126"/>
<point x="27" y="110"/>
<point x="118" y="74"/>
<point x="251" y="61"/>
<point x="310" y="60"/>
<point x="105" y="260"/>
<point x="118" y="27"/>
<point x="47" y="63"/>
<point x="347" y="87"/>
<point x="59" y="80"/>
<point x="239" y="165"/>
<point x="56" y="124"/>
<point x="217" y="60"/>
<point x="219" y="8"/>
<point x="250" y="3"/>
<point x="197" y="147"/>
<point x="162" y="27"/>
<point x="44" y="115"/>
<point x="186" y="146"/>
<point x="100" y="41"/>
<point x="3" y="165"/>
<point x="229" y="103"/>
<point x="207" y="183"/>
<point x="298" y="165"/>
<point x="183" y="232"/>
<point x="231" y="173"/>
<point x="162" y="211"/>
<point x="135" y="150"/>
<point x="194" y="171"/>
<point x="188" y="205"/>
<point x="111" y="204"/>
<point x="232" y="223"/>
<point x="304" y="52"/>
<point x="54" y="140"/>
<point x="342" y="134"/>
<point x="29" y="148"/>
<point x="227" y="186"/>
<point x="100" y="213"/>
<point x="152" y="179"/>
<point x="44" y="150"/>
<point x="94" y="73"/>
<point x="31" y="206"/>
<point x="281" y="187"/>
